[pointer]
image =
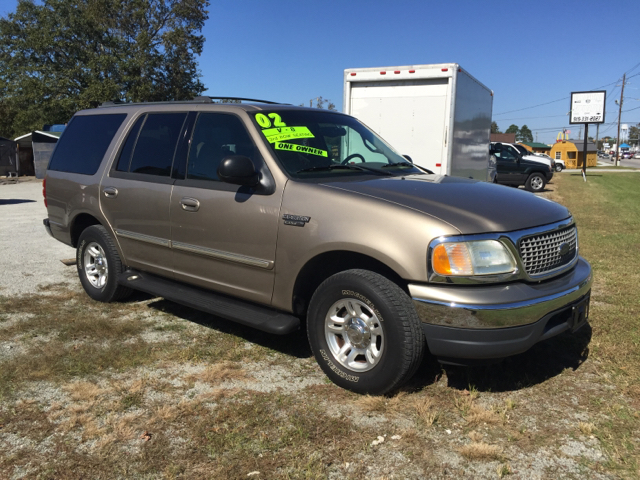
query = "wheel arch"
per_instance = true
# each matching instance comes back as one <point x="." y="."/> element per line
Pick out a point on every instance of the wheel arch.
<point x="326" y="264"/>
<point x="79" y="224"/>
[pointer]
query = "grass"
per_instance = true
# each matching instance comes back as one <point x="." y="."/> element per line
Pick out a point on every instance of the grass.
<point x="151" y="389"/>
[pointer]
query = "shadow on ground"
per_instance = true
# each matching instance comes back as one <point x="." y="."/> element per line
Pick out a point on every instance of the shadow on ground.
<point x="294" y="344"/>
<point x="14" y="201"/>
<point x="543" y="361"/>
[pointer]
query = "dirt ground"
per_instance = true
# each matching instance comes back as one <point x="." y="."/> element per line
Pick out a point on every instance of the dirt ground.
<point x="150" y="389"/>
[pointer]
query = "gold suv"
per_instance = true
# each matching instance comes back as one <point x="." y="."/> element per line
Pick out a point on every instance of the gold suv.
<point x="277" y="216"/>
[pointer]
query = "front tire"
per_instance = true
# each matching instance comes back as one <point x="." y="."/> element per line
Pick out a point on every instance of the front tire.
<point x="558" y="167"/>
<point x="535" y="183"/>
<point x="99" y="265"/>
<point x="364" y="332"/>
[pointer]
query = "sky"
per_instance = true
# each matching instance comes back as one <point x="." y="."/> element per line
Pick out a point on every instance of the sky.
<point x="531" y="54"/>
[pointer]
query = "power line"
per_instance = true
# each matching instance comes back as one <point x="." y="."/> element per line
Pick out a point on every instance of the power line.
<point x="552" y="101"/>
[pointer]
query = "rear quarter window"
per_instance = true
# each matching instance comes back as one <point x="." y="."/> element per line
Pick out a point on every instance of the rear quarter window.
<point x="84" y="143"/>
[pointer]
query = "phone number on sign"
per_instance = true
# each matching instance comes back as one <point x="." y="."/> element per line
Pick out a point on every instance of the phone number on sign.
<point x="596" y="118"/>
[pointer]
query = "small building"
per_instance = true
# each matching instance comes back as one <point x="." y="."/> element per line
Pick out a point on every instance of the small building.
<point x="536" y="147"/>
<point x="571" y="152"/>
<point x="34" y="151"/>
<point x="503" y="137"/>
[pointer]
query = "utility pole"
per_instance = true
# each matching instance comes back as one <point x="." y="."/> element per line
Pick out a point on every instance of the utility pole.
<point x="624" y="77"/>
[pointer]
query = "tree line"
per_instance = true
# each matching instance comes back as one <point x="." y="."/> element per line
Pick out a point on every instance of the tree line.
<point x="523" y="134"/>
<point x="61" y="56"/>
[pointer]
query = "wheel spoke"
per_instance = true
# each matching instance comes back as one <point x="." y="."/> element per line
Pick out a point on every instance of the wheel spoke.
<point x="372" y="356"/>
<point x="351" y="309"/>
<point x="337" y="329"/>
<point x="342" y="354"/>
<point x="353" y="354"/>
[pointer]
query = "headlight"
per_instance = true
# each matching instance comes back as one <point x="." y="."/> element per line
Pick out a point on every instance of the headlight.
<point x="484" y="257"/>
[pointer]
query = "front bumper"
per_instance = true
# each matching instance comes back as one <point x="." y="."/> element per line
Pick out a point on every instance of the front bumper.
<point x="496" y="321"/>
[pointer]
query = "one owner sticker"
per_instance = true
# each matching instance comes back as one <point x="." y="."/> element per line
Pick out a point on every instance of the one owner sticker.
<point x="301" y="149"/>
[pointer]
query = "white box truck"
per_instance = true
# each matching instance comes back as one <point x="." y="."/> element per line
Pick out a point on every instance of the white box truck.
<point x="438" y="115"/>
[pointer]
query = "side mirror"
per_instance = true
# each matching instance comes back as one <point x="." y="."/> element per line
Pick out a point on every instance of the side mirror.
<point x="408" y="158"/>
<point x="238" y="170"/>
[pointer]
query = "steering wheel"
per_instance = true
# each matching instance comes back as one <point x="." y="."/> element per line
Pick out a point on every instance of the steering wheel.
<point x="353" y="155"/>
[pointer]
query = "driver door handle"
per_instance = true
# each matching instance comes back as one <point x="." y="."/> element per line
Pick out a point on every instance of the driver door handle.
<point x="190" y="204"/>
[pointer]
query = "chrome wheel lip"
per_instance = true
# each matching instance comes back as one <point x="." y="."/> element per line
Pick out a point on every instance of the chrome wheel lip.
<point x="96" y="268"/>
<point x="354" y="335"/>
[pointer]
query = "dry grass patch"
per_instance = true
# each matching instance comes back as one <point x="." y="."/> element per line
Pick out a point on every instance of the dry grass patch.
<point x="586" y="428"/>
<point x="481" y="451"/>
<point x="220" y="372"/>
<point x="425" y="409"/>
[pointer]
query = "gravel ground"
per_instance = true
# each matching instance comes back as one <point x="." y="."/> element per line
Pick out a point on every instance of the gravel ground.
<point x="29" y="257"/>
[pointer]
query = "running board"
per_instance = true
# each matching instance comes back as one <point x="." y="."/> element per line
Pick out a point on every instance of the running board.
<point x="251" y="315"/>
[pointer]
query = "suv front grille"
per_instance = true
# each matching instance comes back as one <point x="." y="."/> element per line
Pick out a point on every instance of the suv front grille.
<point x="543" y="253"/>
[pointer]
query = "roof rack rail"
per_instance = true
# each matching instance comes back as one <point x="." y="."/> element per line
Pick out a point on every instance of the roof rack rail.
<point x="241" y="99"/>
<point x="199" y="99"/>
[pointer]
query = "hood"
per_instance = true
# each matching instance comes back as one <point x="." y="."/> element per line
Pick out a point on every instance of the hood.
<point x="533" y="158"/>
<point x="471" y="206"/>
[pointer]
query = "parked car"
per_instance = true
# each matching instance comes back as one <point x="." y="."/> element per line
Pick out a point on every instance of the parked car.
<point x="266" y="214"/>
<point x="637" y="154"/>
<point x="626" y="155"/>
<point x="558" y="163"/>
<point x="515" y="169"/>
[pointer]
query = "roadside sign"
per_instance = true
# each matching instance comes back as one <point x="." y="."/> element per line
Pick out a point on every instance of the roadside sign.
<point x="587" y="107"/>
<point x="606" y="145"/>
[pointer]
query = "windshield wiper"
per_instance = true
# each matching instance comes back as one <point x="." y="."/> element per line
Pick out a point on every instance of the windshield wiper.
<point x="398" y="164"/>
<point x="339" y="166"/>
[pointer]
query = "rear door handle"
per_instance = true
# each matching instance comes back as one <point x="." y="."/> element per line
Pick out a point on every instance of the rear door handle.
<point x="190" y="204"/>
<point x="110" y="192"/>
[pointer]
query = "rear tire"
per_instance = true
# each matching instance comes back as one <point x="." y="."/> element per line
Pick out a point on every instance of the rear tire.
<point x="364" y="332"/>
<point x="558" y="167"/>
<point x="535" y="183"/>
<point x="99" y="265"/>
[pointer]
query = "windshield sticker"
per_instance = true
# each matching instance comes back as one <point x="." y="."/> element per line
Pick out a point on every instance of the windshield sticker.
<point x="286" y="133"/>
<point x="265" y="122"/>
<point x="301" y="149"/>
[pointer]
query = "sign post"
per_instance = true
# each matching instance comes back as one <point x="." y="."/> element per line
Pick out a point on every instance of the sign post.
<point x="586" y="108"/>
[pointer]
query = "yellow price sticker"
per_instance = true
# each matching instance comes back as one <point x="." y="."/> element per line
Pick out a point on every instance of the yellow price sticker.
<point x="274" y="135"/>
<point x="300" y="149"/>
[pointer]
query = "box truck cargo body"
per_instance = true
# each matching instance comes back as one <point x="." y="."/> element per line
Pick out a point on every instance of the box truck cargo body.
<point x="439" y="115"/>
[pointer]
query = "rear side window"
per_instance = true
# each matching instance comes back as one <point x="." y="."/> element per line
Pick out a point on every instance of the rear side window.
<point x="125" y="155"/>
<point x="84" y="143"/>
<point x="156" y="145"/>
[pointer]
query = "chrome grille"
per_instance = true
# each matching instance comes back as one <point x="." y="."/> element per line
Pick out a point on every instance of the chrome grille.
<point x="542" y="253"/>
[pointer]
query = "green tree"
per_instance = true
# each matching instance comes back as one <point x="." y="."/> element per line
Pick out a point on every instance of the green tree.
<point x="513" y="129"/>
<point x="524" y="134"/>
<point x="60" y="56"/>
<point x="495" y="128"/>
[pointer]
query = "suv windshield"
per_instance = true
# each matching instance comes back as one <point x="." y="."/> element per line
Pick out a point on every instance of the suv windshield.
<point x="311" y="144"/>
<point x="522" y="150"/>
